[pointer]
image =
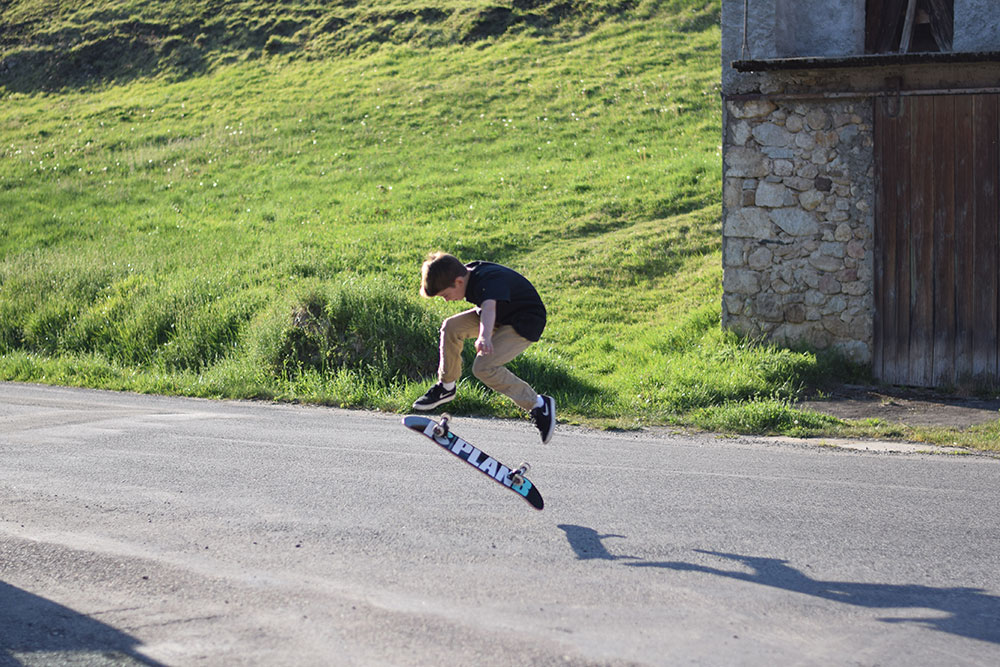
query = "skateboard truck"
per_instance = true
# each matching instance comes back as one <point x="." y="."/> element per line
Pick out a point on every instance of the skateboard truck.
<point x="516" y="477"/>
<point x="441" y="430"/>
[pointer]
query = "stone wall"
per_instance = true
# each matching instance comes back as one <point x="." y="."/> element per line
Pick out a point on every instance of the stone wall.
<point x="976" y="25"/>
<point x="798" y="200"/>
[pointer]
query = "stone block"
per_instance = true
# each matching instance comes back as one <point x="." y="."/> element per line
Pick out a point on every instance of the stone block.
<point x="770" y="195"/>
<point x="732" y="193"/>
<point x="740" y="281"/>
<point x="827" y="139"/>
<point x="808" y="277"/>
<point x="837" y="327"/>
<point x="778" y="152"/>
<point x="847" y="275"/>
<point x="856" y="288"/>
<point x="808" y="170"/>
<point x="769" y="307"/>
<point x="825" y="263"/>
<point x="733" y="304"/>
<point x="848" y="134"/>
<point x="795" y="221"/>
<point x="817" y="119"/>
<point x="794" y="123"/>
<point x="829" y="285"/>
<point x="748" y="223"/>
<point x="741" y="133"/>
<point x="781" y="287"/>
<point x="805" y="141"/>
<point x="795" y="313"/>
<point x="832" y="249"/>
<point x="798" y="183"/>
<point x="811" y="199"/>
<point x="821" y="156"/>
<point x="835" y="305"/>
<point x="732" y="253"/>
<point x="745" y="163"/>
<point x="751" y="109"/>
<point x="760" y="259"/>
<point x="769" y="134"/>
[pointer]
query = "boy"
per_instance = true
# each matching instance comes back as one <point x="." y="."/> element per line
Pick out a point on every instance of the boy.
<point x="508" y="318"/>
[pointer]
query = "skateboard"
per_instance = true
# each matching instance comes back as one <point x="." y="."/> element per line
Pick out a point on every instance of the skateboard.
<point x="513" y="479"/>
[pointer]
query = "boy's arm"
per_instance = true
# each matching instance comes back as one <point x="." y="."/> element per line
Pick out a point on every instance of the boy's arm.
<point x="487" y="320"/>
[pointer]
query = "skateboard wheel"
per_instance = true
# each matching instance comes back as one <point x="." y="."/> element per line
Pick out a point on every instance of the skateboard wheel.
<point x="441" y="429"/>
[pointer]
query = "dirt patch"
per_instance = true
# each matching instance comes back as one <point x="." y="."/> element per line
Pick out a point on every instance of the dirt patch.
<point x="911" y="407"/>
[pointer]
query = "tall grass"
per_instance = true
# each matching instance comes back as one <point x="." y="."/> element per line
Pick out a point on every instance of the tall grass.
<point x="256" y="230"/>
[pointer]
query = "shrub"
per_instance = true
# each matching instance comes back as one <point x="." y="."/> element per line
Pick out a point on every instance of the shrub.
<point x="362" y="326"/>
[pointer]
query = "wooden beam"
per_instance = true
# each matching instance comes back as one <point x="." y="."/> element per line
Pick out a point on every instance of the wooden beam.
<point x="911" y="14"/>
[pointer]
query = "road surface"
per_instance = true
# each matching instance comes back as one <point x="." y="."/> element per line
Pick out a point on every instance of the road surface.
<point x="166" y="531"/>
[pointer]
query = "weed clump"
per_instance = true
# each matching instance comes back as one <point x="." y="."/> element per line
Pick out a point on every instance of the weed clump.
<point x="763" y="417"/>
<point x="365" y="327"/>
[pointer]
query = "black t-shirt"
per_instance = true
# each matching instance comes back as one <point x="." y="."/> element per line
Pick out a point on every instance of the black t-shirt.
<point x="518" y="303"/>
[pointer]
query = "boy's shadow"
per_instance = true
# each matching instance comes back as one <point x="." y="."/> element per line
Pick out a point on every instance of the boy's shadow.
<point x="969" y="612"/>
<point x="34" y="630"/>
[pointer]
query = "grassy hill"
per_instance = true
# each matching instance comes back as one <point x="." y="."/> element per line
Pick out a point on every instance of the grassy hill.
<point x="233" y="199"/>
<point x="51" y="44"/>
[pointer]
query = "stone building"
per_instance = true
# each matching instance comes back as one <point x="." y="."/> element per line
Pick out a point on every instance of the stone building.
<point x="861" y="209"/>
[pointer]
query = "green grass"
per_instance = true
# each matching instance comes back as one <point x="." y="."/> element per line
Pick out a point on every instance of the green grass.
<point x="253" y="227"/>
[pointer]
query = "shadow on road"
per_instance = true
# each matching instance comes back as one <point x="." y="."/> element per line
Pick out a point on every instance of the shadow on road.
<point x="588" y="544"/>
<point x="971" y="612"/>
<point x="34" y="630"/>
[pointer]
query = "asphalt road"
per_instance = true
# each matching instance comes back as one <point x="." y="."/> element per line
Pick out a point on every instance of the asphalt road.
<point x="149" y="530"/>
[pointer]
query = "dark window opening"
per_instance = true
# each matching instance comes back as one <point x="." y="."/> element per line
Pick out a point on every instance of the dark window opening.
<point x="909" y="26"/>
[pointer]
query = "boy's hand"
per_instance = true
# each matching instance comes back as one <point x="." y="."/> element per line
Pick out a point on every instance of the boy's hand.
<point x="484" y="346"/>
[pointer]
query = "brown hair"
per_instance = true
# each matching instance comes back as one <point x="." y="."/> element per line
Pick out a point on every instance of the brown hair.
<point x="439" y="272"/>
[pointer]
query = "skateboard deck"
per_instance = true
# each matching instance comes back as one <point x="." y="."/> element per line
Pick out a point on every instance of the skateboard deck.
<point x="512" y="479"/>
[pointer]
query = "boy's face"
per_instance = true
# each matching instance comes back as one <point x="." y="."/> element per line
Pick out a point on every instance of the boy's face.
<point x="454" y="293"/>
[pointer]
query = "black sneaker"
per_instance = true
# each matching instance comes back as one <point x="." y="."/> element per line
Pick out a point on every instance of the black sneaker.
<point x="435" y="396"/>
<point x="544" y="418"/>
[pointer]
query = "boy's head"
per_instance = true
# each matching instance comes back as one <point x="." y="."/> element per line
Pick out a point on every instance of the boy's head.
<point x="442" y="272"/>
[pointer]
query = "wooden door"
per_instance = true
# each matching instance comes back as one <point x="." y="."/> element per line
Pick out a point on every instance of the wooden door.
<point x="937" y="241"/>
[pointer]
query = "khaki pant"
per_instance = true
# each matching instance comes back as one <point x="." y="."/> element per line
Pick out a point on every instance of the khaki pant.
<point x="507" y="344"/>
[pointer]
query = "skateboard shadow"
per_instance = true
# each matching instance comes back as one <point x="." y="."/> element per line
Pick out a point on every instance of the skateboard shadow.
<point x="969" y="612"/>
<point x="34" y="630"/>
<point x="588" y="544"/>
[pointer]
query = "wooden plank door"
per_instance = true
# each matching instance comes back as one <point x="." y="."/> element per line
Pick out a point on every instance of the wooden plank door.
<point x="937" y="241"/>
